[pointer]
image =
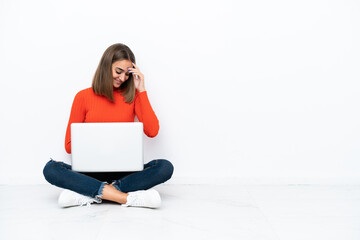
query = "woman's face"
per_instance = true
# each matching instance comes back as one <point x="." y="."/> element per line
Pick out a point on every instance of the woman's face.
<point x="120" y="72"/>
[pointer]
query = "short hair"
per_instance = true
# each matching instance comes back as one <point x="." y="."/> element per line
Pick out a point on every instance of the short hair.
<point x="102" y="83"/>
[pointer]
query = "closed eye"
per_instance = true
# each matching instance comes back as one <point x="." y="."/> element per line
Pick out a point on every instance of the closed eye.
<point x="121" y="70"/>
<point x="127" y="74"/>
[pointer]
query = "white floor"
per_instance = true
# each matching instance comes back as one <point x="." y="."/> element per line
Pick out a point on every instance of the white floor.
<point x="287" y="212"/>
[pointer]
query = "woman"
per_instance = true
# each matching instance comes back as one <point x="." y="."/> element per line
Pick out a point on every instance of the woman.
<point x="117" y="95"/>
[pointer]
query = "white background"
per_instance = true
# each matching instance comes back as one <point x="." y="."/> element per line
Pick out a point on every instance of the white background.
<point x="245" y="91"/>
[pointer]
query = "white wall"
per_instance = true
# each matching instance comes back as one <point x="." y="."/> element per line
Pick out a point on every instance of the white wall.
<point x="245" y="91"/>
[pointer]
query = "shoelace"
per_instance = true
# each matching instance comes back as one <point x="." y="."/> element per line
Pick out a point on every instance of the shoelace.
<point x="136" y="201"/>
<point x="85" y="201"/>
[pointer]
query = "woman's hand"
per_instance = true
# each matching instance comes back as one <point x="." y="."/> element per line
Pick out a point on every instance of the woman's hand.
<point x="138" y="78"/>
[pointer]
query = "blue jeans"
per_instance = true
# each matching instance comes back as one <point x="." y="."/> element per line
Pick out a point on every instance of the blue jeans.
<point x="92" y="184"/>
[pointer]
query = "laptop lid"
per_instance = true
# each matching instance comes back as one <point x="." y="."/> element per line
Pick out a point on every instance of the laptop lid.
<point x="107" y="147"/>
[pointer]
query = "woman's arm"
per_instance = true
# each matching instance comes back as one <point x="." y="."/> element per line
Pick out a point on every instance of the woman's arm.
<point x="143" y="109"/>
<point x="77" y="115"/>
<point x="146" y="114"/>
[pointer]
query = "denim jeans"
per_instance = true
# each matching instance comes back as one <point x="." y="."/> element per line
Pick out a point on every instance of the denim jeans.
<point x="91" y="184"/>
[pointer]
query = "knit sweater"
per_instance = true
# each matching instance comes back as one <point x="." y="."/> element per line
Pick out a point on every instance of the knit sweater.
<point x="89" y="107"/>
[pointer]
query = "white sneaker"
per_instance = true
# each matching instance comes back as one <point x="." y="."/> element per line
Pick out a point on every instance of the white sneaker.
<point x="143" y="198"/>
<point x="69" y="198"/>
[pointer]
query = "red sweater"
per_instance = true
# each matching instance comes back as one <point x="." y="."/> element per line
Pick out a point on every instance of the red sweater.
<point x="90" y="107"/>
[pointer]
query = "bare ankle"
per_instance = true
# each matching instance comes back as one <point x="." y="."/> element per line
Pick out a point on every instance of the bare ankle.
<point x="111" y="193"/>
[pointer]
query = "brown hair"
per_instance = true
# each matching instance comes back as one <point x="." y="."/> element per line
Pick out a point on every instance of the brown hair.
<point x="102" y="83"/>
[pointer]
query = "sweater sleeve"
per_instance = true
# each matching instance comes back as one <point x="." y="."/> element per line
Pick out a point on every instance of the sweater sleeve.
<point x="77" y="115"/>
<point x="146" y="114"/>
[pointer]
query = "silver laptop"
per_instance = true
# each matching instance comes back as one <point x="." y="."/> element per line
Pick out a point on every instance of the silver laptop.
<point x="107" y="147"/>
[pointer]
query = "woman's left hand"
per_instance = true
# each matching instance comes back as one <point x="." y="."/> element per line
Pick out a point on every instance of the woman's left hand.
<point x="138" y="78"/>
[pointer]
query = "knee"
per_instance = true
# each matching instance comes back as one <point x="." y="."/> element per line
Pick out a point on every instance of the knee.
<point x="166" y="169"/>
<point x="50" y="171"/>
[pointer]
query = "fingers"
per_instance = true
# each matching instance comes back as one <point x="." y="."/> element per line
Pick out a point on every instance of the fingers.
<point x="138" y="77"/>
<point x="136" y="72"/>
<point x="134" y="67"/>
<point x="133" y="70"/>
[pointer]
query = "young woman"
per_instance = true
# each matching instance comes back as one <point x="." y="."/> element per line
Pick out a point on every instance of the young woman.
<point x="117" y="95"/>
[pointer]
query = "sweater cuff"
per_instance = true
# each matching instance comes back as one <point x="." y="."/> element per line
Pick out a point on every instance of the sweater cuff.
<point x="142" y="94"/>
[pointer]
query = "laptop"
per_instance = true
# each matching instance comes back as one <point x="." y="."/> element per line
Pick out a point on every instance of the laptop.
<point x="107" y="147"/>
